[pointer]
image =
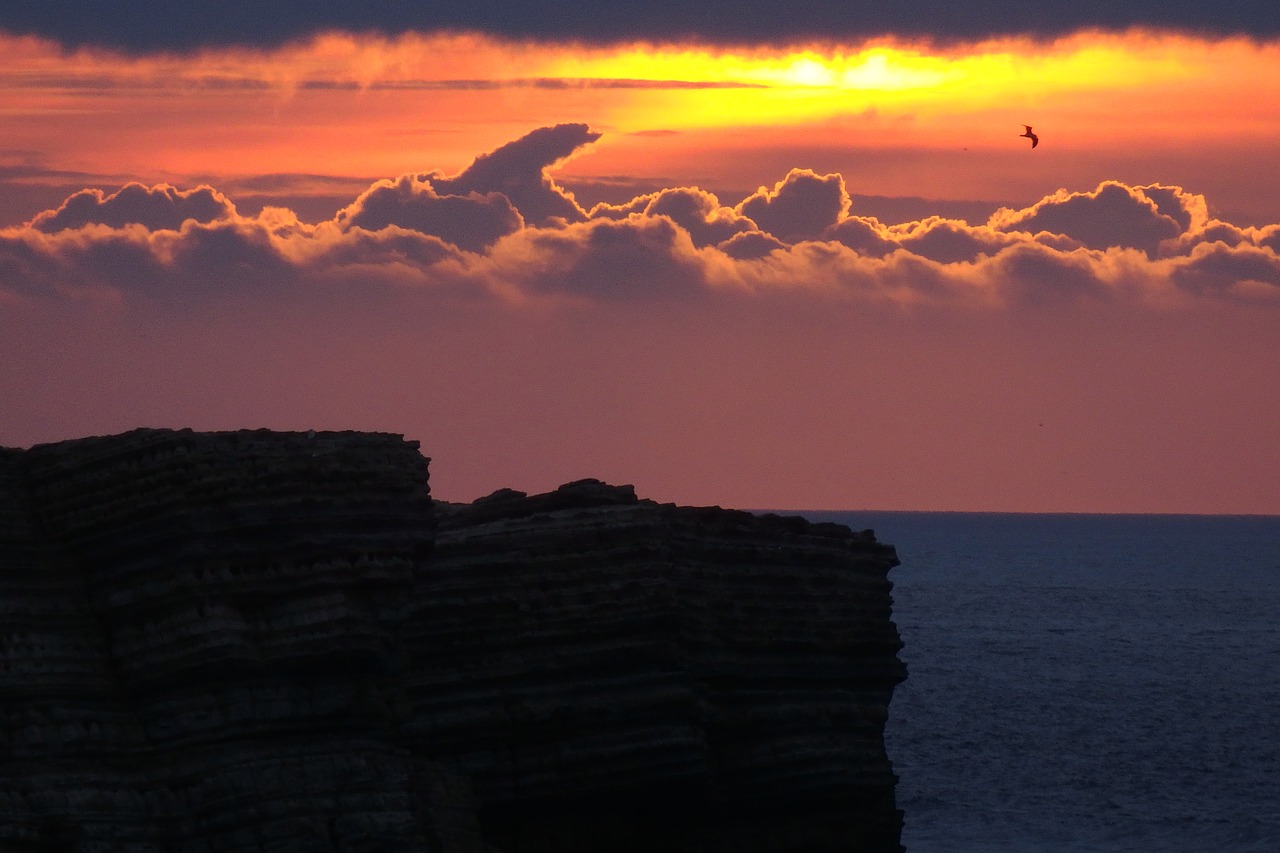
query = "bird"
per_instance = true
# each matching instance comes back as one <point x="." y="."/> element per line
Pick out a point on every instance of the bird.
<point x="1035" y="140"/>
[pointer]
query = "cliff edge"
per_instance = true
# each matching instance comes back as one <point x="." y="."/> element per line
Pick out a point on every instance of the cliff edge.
<point x="277" y="641"/>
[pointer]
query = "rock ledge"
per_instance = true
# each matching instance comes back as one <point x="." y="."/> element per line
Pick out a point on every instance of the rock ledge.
<point x="276" y="641"/>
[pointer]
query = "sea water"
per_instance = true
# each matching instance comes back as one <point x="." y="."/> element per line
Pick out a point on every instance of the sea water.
<point x="1085" y="682"/>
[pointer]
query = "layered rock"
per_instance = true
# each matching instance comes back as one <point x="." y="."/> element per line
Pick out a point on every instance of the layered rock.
<point x="275" y="641"/>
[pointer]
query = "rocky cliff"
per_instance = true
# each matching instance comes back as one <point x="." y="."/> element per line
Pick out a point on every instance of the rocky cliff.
<point x="276" y="641"/>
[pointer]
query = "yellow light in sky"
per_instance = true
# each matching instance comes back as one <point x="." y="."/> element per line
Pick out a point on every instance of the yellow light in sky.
<point x="368" y="105"/>
<point x="876" y="68"/>
<point x="772" y="87"/>
<point x="883" y="70"/>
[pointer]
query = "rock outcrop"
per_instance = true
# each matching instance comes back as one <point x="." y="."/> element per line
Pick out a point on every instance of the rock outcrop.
<point x="276" y="641"/>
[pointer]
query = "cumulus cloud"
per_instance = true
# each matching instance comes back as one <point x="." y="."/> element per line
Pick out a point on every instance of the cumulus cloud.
<point x="496" y="195"/>
<point x="949" y="241"/>
<point x="206" y="260"/>
<point x="1113" y="215"/>
<point x="640" y="256"/>
<point x="1189" y="210"/>
<point x="471" y="221"/>
<point x="158" y="207"/>
<point x="750" y="245"/>
<point x="953" y="241"/>
<point x="799" y="207"/>
<point x="1245" y="272"/>
<point x="1033" y="274"/>
<point x="157" y="25"/>
<point x="1268" y="237"/>
<point x="696" y="211"/>
<point x="502" y="229"/>
<point x="519" y="170"/>
<point x="864" y="235"/>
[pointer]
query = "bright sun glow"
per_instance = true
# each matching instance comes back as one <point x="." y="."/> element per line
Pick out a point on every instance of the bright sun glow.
<point x="383" y="102"/>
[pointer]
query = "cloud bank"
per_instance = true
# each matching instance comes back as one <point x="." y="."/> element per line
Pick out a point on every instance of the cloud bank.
<point x="503" y="229"/>
<point x="1104" y="349"/>
<point x="157" y="25"/>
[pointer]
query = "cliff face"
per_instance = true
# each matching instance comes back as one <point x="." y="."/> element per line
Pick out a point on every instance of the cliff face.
<point x="269" y="641"/>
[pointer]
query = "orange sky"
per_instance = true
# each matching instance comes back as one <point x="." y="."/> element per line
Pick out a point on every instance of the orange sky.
<point x="895" y="120"/>
<point x="1104" y="344"/>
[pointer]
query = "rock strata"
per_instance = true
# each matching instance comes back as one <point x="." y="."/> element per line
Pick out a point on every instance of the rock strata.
<point x="276" y="641"/>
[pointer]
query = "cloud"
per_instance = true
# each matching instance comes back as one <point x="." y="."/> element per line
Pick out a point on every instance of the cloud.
<point x="224" y="258"/>
<point x="936" y="238"/>
<point x="866" y="236"/>
<point x="750" y="245"/>
<point x="1032" y="274"/>
<point x="953" y="241"/>
<point x="471" y="236"/>
<point x="949" y="241"/>
<point x="1268" y="237"/>
<point x="391" y="249"/>
<point x="519" y="169"/>
<point x="801" y="206"/>
<point x="1111" y="215"/>
<point x="158" y="25"/>
<point x="1244" y="273"/>
<point x="158" y="207"/>
<point x="638" y="257"/>
<point x="696" y="211"/>
<point x="494" y="196"/>
<point x="471" y="221"/>
<point x="1188" y="210"/>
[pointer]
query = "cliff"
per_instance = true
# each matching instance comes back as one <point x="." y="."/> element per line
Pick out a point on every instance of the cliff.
<point x="277" y="641"/>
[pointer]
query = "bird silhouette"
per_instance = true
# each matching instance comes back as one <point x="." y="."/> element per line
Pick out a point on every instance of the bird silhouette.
<point x="1035" y="140"/>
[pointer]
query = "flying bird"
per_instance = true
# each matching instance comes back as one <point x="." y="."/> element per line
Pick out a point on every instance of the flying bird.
<point x="1035" y="140"/>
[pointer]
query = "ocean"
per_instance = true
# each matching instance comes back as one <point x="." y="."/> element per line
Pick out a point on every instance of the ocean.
<point x="1098" y="683"/>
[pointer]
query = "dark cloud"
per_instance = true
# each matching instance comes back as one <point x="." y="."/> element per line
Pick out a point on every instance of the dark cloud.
<point x="952" y="241"/>
<point x="159" y="207"/>
<point x="864" y="235"/>
<point x="156" y="25"/>
<point x="1189" y="211"/>
<point x="201" y="261"/>
<point x="1111" y="215"/>
<point x="471" y="236"/>
<point x="895" y="209"/>
<point x="634" y="258"/>
<point x="696" y="211"/>
<point x="1219" y="270"/>
<point x="750" y="245"/>
<point x="496" y="195"/>
<point x="472" y="221"/>
<point x="1212" y="231"/>
<point x="518" y="170"/>
<point x="800" y="207"/>
<point x="387" y="247"/>
<point x="1036" y="275"/>
<point x="1270" y="237"/>
<point x="232" y="257"/>
<point x="949" y="241"/>
<point x="26" y="270"/>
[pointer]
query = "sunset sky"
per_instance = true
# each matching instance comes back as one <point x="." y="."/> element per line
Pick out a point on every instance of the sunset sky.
<point x="729" y="254"/>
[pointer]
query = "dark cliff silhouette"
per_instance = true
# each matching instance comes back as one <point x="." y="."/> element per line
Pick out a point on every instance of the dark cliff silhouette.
<point x="277" y="641"/>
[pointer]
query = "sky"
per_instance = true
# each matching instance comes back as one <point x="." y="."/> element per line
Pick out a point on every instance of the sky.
<point x="729" y="253"/>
